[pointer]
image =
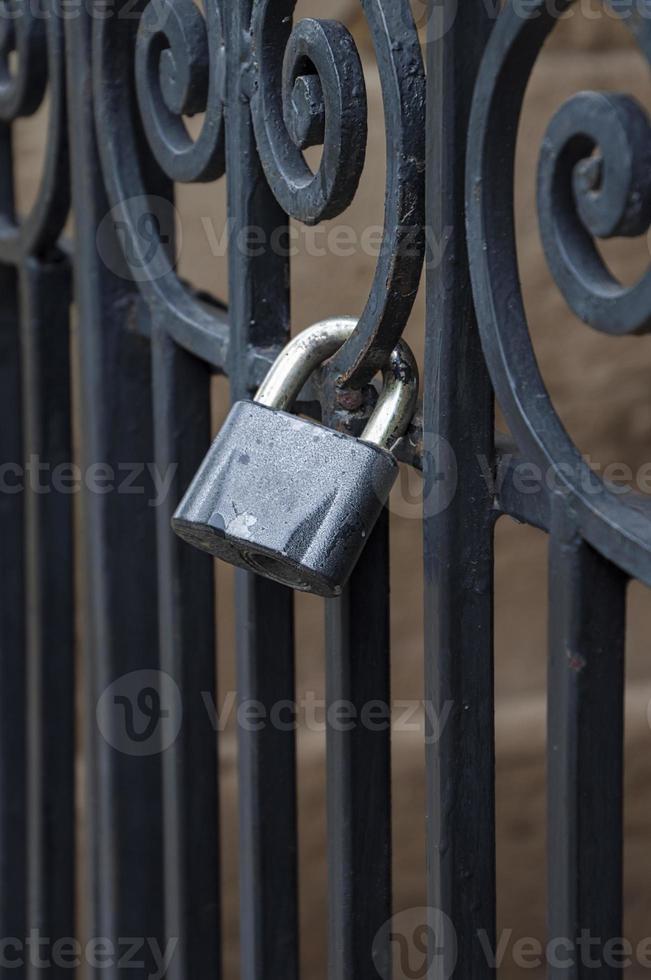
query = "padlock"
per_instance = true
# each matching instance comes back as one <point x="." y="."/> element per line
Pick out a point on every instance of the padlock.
<point x="286" y="497"/>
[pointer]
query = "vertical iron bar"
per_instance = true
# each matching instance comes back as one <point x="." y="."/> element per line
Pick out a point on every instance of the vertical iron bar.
<point x="587" y="621"/>
<point x="359" y="767"/>
<point x="7" y="206"/>
<point x="45" y="351"/>
<point x="187" y="647"/>
<point x="259" y="315"/>
<point x="458" y="431"/>
<point x="124" y="888"/>
<point x="13" y="854"/>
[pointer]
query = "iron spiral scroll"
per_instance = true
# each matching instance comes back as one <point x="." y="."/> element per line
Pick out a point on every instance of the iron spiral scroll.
<point x="31" y="67"/>
<point x="305" y="87"/>
<point x="594" y="182"/>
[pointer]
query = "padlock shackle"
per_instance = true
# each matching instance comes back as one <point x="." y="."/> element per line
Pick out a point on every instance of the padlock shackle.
<point x="306" y="352"/>
<point x="300" y="359"/>
<point x="396" y="403"/>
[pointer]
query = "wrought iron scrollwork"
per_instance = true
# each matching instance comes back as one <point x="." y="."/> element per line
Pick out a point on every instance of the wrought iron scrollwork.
<point x="594" y="182"/>
<point x="309" y="89"/>
<point x="180" y="71"/>
<point x="306" y="88"/>
<point x="176" y="59"/>
<point x="31" y="65"/>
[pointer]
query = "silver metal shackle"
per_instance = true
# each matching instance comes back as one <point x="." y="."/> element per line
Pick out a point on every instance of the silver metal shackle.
<point x="306" y="352"/>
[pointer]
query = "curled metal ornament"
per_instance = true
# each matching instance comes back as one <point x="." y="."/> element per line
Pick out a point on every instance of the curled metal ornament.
<point x="594" y="181"/>
<point x="31" y="64"/>
<point x="308" y="89"/>
<point x="180" y="64"/>
<point x="22" y="35"/>
<point x="577" y="179"/>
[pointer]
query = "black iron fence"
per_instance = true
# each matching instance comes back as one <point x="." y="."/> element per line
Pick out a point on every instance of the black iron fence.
<point x="145" y="345"/>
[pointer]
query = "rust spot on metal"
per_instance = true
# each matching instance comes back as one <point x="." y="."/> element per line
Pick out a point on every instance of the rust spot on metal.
<point x="576" y="661"/>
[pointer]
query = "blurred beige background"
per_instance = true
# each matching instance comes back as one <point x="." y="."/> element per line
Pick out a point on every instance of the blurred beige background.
<point x="601" y="388"/>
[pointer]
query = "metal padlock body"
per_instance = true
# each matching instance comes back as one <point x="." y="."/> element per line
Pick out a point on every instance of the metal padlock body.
<point x="303" y="524"/>
<point x="288" y="498"/>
